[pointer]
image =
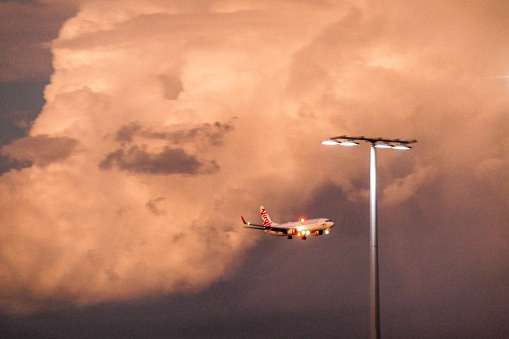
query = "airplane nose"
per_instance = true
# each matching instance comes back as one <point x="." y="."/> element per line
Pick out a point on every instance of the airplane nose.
<point x="330" y="224"/>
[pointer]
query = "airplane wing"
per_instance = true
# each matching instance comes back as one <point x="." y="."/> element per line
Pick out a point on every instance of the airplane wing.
<point x="281" y="229"/>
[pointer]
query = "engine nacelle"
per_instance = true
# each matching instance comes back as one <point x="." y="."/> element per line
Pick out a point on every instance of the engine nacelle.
<point x="291" y="231"/>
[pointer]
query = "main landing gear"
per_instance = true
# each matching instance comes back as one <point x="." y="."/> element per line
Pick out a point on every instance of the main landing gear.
<point x="302" y="237"/>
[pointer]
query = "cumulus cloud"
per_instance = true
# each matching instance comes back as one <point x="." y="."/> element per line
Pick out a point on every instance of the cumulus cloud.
<point x="188" y="115"/>
<point x="150" y="202"/>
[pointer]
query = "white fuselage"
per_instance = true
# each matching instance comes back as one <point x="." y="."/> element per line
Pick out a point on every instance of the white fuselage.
<point x="307" y="227"/>
<point x="301" y="228"/>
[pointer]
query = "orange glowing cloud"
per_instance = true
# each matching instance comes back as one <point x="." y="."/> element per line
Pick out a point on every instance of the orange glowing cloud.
<point x="165" y="122"/>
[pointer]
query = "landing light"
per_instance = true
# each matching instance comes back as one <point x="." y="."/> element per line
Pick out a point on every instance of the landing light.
<point x="302" y="219"/>
<point x="326" y="231"/>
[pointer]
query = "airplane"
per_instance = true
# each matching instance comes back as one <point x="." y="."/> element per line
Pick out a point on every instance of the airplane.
<point x="301" y="228"/>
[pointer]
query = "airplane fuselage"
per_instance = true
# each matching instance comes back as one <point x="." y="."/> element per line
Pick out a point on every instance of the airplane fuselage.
<point x="301" y="228"/>
<point x="308" y="227"/>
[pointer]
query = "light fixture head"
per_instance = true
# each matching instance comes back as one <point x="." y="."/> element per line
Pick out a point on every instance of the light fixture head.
<point x="383" y="145"/>
<point x="348" y="143"/>
<point x="344" y="140"/>
<point x="401" y="146"/>
<point x="330" y="142"/>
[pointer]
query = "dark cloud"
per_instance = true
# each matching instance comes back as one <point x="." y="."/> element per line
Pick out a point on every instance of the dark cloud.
<point x="168" y="161"/>
<point x="21" y="103"/>
<point x="26" y="29"/>
<point x="42" y="150"/>
<point x="204" y="134"/>
<point x="126" y="133"/>
<point x="135" y="156"/>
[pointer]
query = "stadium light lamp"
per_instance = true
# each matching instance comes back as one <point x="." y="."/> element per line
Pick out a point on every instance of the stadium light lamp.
<point x="348" y="143"/>
<point x="330" y="142"/>
<point x="374" y="282"/>
<point x="401" y="146"/>
<point x="378" y="145"/>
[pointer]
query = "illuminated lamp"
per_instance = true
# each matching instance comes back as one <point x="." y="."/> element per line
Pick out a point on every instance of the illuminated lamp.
<point x="330" y="142"/>
<point x="348" y="143"/>
<point x="383" y="146"/>
<point x="401" y="146"/>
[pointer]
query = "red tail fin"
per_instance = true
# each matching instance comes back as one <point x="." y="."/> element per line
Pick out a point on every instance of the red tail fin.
<point x="265" y="217"/>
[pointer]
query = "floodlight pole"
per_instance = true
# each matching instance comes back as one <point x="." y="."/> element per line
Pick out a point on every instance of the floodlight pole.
<point x="375" y="291"/>
<point x="374" y="281"/>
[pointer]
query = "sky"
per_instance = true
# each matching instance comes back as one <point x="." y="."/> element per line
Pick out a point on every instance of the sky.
<point x="134" y="134"/>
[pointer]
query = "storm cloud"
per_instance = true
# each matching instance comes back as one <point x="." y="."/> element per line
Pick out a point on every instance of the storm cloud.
<point x="166" y="120"/>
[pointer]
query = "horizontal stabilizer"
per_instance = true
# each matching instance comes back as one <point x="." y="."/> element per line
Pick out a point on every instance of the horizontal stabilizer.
<point x="250" y="225"/>
<point x="256" y="227"/>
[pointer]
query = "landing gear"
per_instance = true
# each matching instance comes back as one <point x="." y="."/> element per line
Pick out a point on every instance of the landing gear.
<point x="304" y="238"/>
<point x="289" y="237"/>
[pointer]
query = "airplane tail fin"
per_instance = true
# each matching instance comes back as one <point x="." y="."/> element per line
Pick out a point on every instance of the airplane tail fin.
<point x="265" y="217"/>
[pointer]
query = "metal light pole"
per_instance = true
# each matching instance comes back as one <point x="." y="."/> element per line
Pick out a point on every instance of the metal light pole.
<point x="373" y="214"/>
<point x="374" y="281"/>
